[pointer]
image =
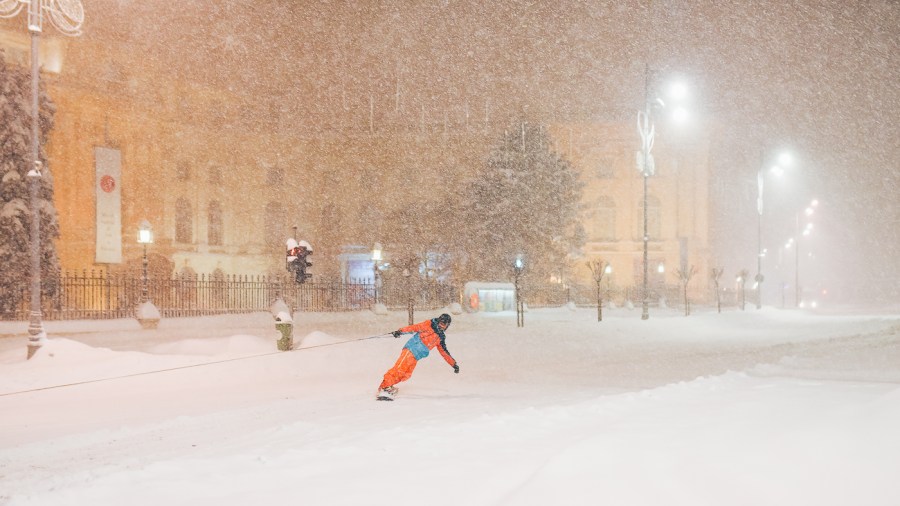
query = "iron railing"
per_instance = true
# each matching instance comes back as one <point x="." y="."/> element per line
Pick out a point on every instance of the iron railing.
<point x="102" y="295"/>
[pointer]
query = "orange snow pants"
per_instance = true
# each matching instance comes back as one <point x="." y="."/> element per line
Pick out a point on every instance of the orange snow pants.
<point x="401" y="371"/>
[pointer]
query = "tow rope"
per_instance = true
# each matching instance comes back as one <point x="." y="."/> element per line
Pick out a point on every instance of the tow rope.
<point x="111" y="378"/>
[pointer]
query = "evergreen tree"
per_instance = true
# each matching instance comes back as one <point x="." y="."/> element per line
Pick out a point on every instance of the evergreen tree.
<point x="15" y="192"/>
<point x="526" y="201"/>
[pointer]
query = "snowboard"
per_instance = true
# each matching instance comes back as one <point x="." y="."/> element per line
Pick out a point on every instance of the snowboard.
<point x="385" y="396"/>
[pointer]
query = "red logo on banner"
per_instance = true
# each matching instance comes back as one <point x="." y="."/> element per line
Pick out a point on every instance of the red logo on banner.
<point x="107" y="183"/>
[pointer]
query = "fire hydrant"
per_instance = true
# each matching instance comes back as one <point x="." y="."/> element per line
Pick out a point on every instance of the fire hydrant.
<point x="285" y="325"/>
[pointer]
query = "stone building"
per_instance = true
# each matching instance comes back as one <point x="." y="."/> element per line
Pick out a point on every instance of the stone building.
<point x="224" y="176"/>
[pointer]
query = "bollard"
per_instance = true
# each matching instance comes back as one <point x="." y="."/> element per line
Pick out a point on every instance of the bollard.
<point x="284" y="324"/>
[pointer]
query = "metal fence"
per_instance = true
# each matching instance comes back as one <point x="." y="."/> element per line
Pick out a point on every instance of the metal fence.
<point x="102" y="295"/>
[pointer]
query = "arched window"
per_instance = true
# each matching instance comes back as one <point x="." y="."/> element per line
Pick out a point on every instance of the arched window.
<point x="215" y="230"/>
<point x="603" y="225"/>
<point x="184" y="222"/>
<point x="654" y="219"/>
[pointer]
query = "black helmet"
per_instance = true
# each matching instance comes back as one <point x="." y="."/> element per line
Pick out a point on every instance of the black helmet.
<point x="444" y="318"/>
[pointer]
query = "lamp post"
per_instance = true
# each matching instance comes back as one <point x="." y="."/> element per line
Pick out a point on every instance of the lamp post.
<point x="66" y="16"/>
<point x="376" y="259"/>
<point x="647" y="167"/>
<point x="809" y="211"/>
<point x="784" y="159"/>
<point x="147" y="314"/>
<point x="518" y="267"/>
<point x="145" y="237"/>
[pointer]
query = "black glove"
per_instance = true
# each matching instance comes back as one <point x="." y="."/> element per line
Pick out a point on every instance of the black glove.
<point x="456" y="368"/>
<point x="396" y="333"/>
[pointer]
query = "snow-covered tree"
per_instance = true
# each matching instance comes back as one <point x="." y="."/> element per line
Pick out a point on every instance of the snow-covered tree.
<point x="525" y="201"/>
<point x="15" y="194"/>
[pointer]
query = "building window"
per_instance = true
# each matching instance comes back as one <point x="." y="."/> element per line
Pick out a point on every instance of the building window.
<point x="604" y="220"/>
<point x="183" y="171"/>
<point x="275" y="225"/>
<point x="275" y="176"/>
<point x="184" y="223"/>
<point x="654" y="219"/>
<point x="214" y="228"/>
<point x="215" y="175"/>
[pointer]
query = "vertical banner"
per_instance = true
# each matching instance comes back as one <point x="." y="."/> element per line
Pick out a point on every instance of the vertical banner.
<point x="109" y="205"/>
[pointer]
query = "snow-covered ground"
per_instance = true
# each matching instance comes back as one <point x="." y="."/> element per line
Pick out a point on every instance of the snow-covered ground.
<point x="765" y="407"/>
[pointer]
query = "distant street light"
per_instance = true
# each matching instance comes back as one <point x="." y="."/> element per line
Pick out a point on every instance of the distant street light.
<point x="66" y="16"/>
<point x="805" y="232"/>
<point x="145" y="237"/>
<point x="784" y="160"/>
<point x="518" y="267"/>
<point x="147" y="314"/>
<point x="645" y="164"/>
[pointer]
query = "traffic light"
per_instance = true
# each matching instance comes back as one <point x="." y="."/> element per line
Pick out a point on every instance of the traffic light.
<point x="302" y="263"/>
<point x="297" y="262"/>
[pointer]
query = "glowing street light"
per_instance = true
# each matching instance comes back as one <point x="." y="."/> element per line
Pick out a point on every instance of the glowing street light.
<point x="645" y="164"/>
<point x="809" y="211"/>
<point x="784" y="159"/>
<point x="145" y="237"/>
<point x="66" y="16"/>
<point x="518" y="267"/>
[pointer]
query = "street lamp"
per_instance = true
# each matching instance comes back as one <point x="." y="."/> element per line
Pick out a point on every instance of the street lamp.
<point x="145" y="237"/>
<point x="784" y="160"/>
<point x="645" y="164"/>
<point x="518" y="267"/>
<point x="66" y="16"/>
<point x="147" y="314"/>
<point x="376" y="259"/>
<point x="809" y="211"/>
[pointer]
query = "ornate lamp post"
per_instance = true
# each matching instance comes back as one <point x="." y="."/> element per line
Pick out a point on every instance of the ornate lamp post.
<point x="66" y="16"/>
<point x="647" y="167"/>
<point x="147" y="314"/>
<point x="145" y="237"/>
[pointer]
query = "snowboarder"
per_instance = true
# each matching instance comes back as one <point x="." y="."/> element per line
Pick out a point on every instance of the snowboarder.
<point x="426" y="335"/>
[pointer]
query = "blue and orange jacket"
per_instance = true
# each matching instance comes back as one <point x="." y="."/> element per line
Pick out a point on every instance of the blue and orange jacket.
<point x="427" y="335"/>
